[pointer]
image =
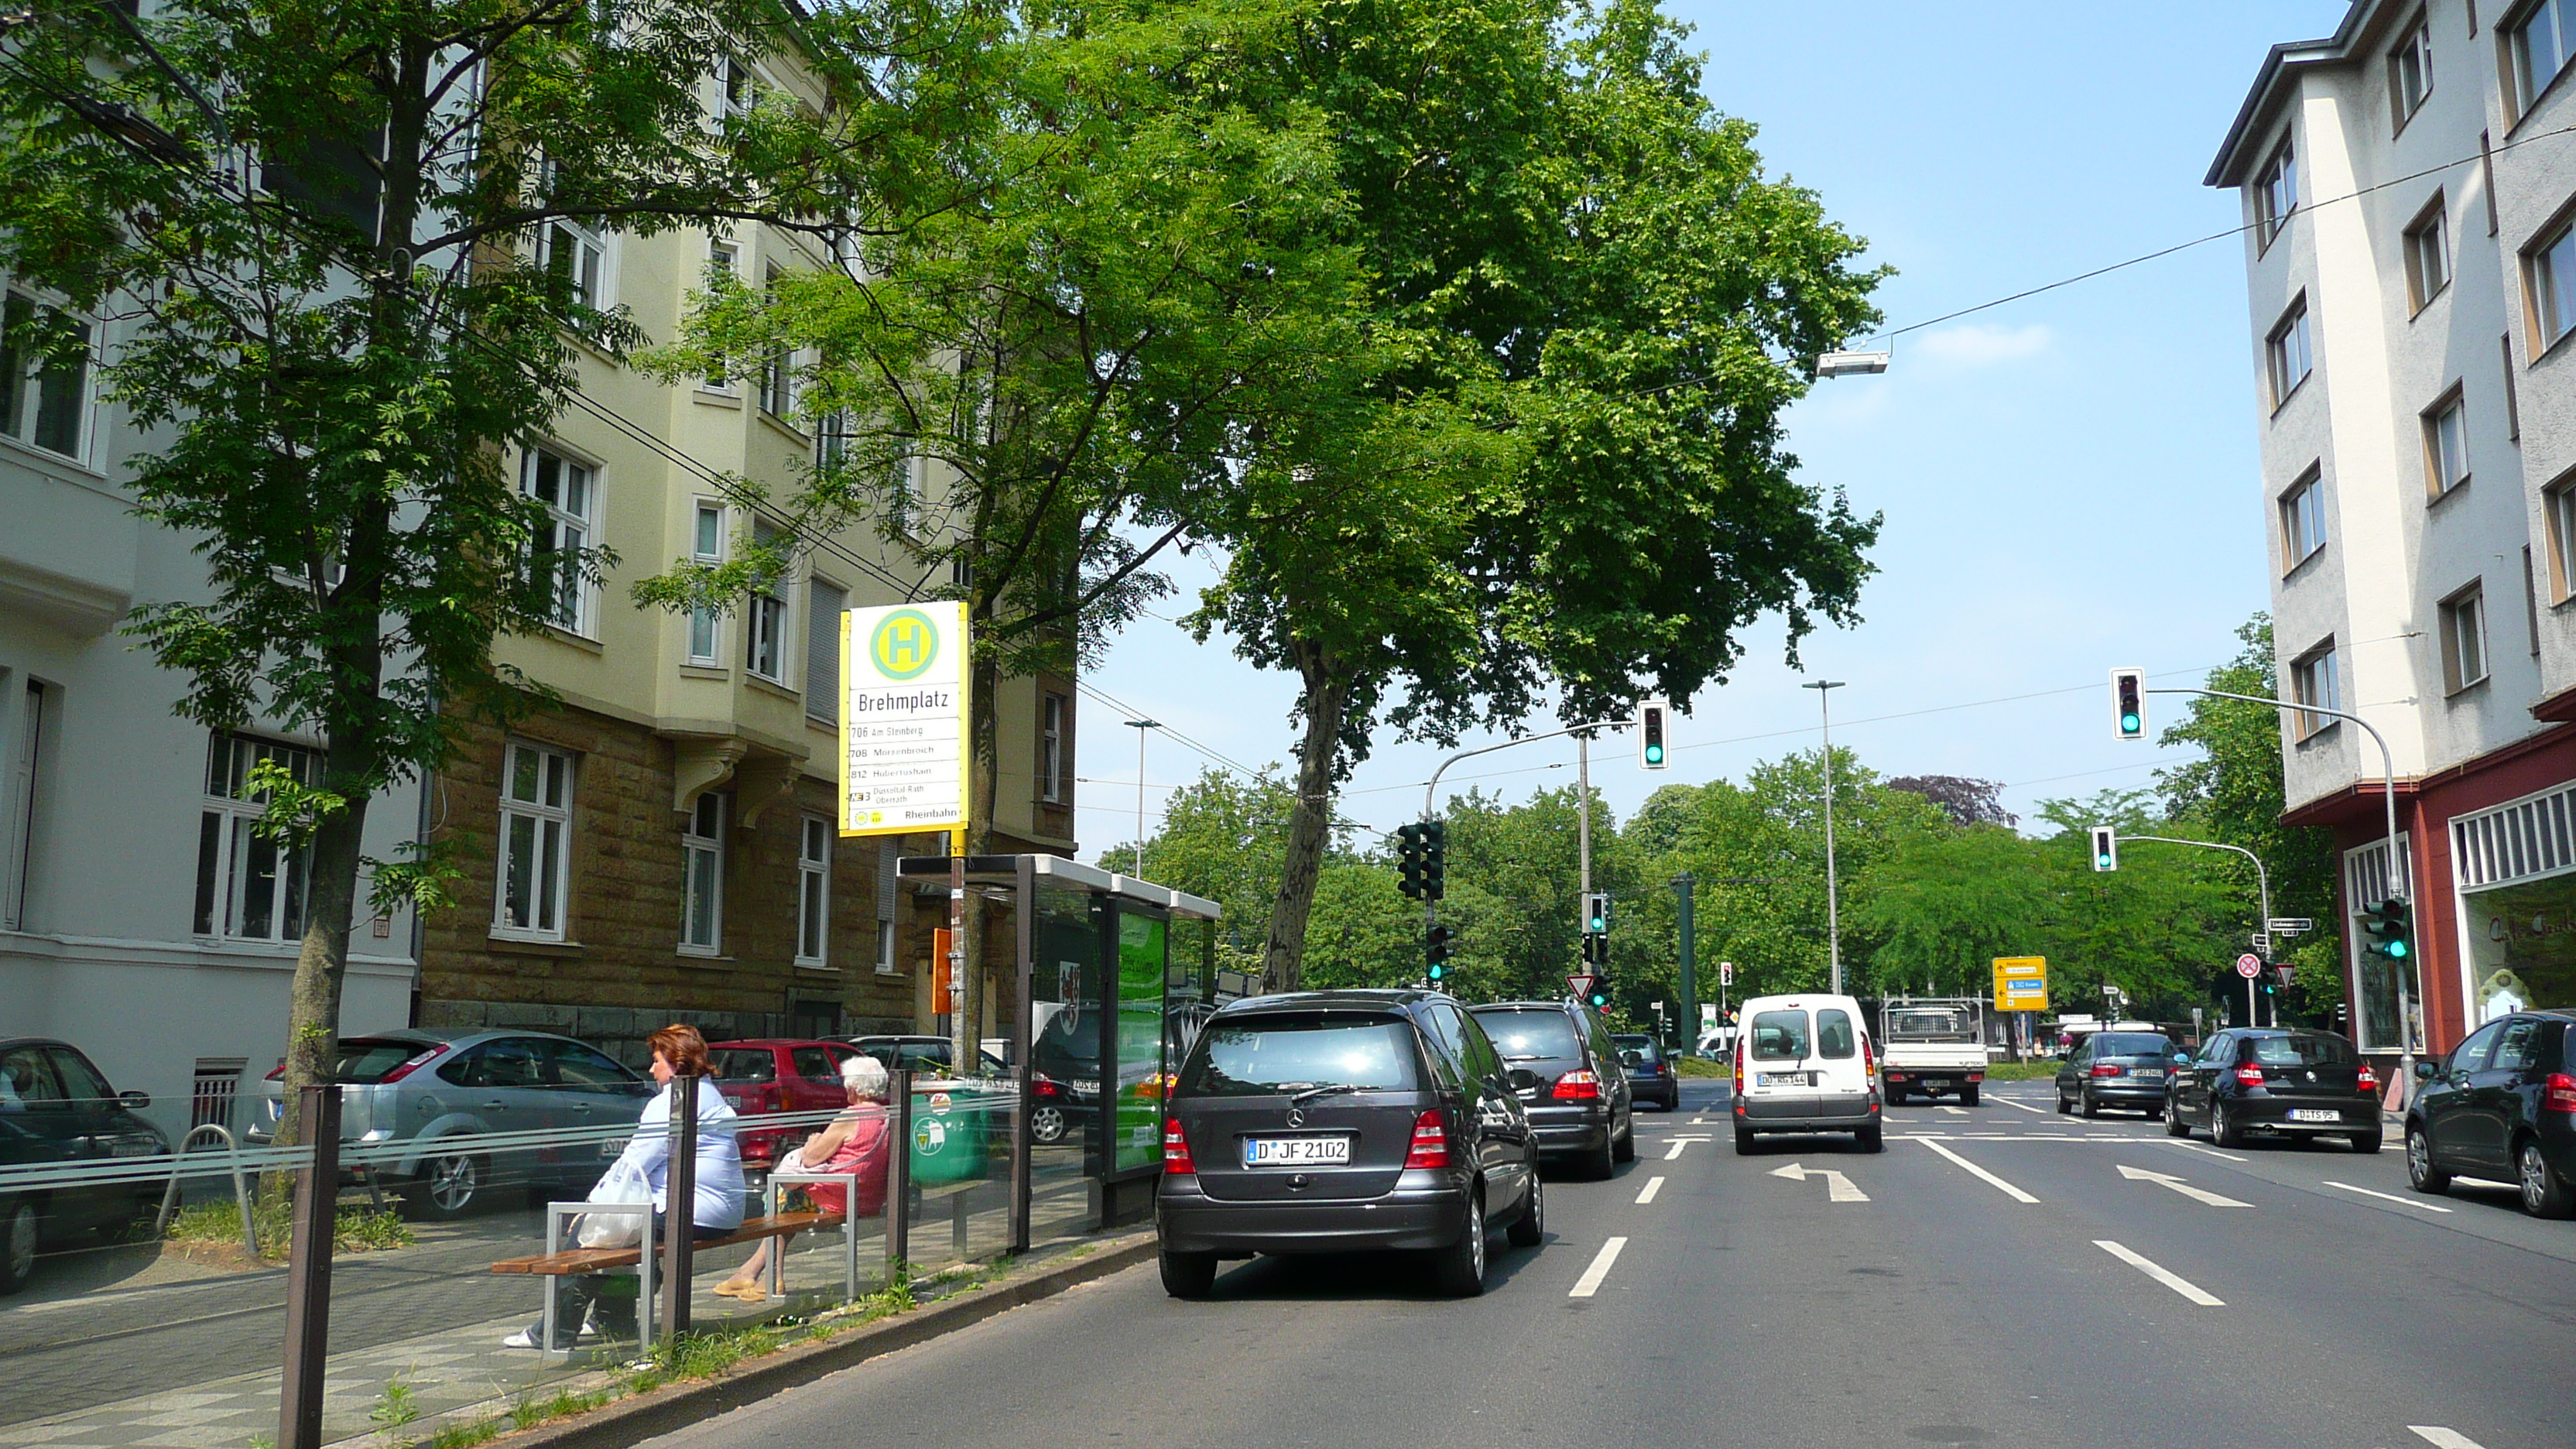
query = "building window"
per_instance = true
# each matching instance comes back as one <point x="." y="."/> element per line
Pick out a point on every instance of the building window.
<point x="814" y="893"/>
<point x="2314" y="680"/>
<point x="702" y="886"/>
<point x="216" y="1086"/>
<point x="2446" y="445"/>
<point x="2428" y="255"/>
<point x="2558" y="510"/>
<point x="724" y="264"/>
<point x="734" y="87"/>
<point x="2286" y="352"/>
<point x="574" y="260"/>
<point x="831" y="439"/>
<point x="44" y="375"/>
<point x="249" y="887"/>
<point x="2550" y="269"/>
<point x="2276" y="194"/>
<point x="2464" y="639"/>
<point x="535" y="842"/>
<point x="765" y="618"/>
<point x="2303" y="520"/>
<point x="2410" y="73"/>
<point x="2541" y="41"/>
<point x="559" y="554"/>
<point x="778" y="375"/>
<point x="1051" y="748"/>
<point x="823" y="604"/>
<point x="706" y="547"/>
<point x="33" y="741"/>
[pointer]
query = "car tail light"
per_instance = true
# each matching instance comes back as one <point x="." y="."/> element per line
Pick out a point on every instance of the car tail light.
<point x="409" y="1067"/>
<point x="1868" y="1060"/>
<point x="1430" y="1142"/>
<point x="1578" y="1086"/>
<point x="1044" y="1087"/>
<point x="2559" y="1093"/>
<point x="1176" y="1148"/>
<point x="2250" y="1075"/>
<point x="2366" y="1080"/>
<point x="2109" y="1069"/>
<point x="1739" y="1078"/>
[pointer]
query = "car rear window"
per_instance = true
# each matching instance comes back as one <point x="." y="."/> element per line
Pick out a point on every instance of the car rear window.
<point x="1643" y="1046"/>
<point x="1780" y="1036"/>
<point x="1270" y="1055"/>
<point x="2302" y="1051"/>
<point x="744" y="1064"/>
<point x="2132" y="1044"/>
<point x="366" y="1061"/>
<point x="1538" y="1032"/>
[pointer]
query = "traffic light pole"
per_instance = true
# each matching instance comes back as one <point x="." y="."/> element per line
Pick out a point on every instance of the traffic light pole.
<point x="1431" y="790"/>
<point x="2397" y="883"/>
<point x="2263" y="887"/>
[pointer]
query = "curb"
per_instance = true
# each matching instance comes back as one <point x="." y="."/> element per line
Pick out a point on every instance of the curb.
<point x="633" y="1420"/>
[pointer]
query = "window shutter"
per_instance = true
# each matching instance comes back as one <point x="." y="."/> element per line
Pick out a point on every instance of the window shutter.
<point x="889" y="850"/>
<point x="823" y="651"/>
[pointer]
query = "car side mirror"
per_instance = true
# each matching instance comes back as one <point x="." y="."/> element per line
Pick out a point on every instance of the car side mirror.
<point x="2181" y="1057"/>
<point x="2426" y="1069"/>
<point x="135" y="1101"/>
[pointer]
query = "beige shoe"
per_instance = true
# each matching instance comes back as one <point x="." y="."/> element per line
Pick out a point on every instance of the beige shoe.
<point x="749" y="1290"/>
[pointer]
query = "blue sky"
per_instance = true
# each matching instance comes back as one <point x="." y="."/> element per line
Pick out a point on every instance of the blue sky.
<point x="2069" y="482"/>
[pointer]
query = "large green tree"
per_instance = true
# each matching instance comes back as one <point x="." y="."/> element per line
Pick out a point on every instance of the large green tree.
<point x="318" y="239"/>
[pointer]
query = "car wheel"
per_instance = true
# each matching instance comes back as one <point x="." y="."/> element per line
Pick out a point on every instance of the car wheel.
<point x="2421" y="1174"/>
<point x="1625" y="1150"/>
<point x="1872" y="1138"/>
<point x="1602" y="1163"/>
<point x="447" y="1186"/>
<point x="1744" y="1142"/>
<point x="2544" y="1193"/>
<point x="2366" y="1141"/>
<point x="2064" y="1108"/>
<point x="1896" y="1096"/>
<point x="18" y="1246"/>
<point x="2174" y="1125"/>
<point x="1046" y="1125"/>
<point x="2091" y="1107"/>
<point x="2223" y="1127"/>
<point x="1461" y="1266"/>
<point x="1189" y="1275"/>
<point x="1968" y="1095"/>
<point x="1530" y="1228"/>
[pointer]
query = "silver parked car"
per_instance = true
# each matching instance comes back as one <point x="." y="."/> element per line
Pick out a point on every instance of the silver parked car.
<point x="439" y="1091"/>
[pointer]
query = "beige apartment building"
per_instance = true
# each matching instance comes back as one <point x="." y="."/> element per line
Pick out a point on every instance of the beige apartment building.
<point x="662" y="845"/>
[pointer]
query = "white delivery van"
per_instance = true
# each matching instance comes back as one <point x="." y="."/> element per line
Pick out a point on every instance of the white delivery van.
<point x="1804" y="1063"/>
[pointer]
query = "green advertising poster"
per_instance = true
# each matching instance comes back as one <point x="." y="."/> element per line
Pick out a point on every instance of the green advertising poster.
<point x="1141" y="955"/>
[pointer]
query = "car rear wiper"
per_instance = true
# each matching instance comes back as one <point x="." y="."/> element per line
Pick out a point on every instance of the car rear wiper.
<point x="1312" y="1093"/>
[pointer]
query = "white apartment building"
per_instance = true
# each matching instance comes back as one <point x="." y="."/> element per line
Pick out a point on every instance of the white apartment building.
<point x="2410" y="262"/>
<point x="139" y="918"/>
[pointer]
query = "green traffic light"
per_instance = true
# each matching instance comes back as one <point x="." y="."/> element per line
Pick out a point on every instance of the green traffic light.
<point x="2128" y="722"/>
<point x="2396" y="950"/>
<point x="1654" y="754"/>
<point x="2103" y="861"/>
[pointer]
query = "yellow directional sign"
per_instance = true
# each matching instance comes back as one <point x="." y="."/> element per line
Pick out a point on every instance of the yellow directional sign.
<point x="2021" y="983"/>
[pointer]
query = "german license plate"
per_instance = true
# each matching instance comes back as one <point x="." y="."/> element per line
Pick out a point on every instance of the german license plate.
<point x="1784" y="1079"/>
<point x="2314" y="1114"/>
<point x="1296" y="1151"/>
<point x="2149" y="1074"/>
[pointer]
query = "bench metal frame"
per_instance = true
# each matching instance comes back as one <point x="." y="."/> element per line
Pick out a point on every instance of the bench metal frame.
<point x="558" y="1215"/>
<point x="849" y="1227"/>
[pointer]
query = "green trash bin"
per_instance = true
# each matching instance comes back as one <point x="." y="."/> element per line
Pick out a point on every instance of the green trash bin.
<point x="951" y="1132"/>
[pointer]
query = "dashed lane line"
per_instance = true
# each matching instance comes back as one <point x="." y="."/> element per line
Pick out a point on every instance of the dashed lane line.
<point x="2025" y="1106"/>
<point x="1653" y="1185"/>
<point x="1954" y="1111"/>
<point x="2435" y="1434"/>
<point x="1590" y="1282"/>
<point x="2390" y="1197"/>
<point x="2006" y="1188"/>
<point x="1678" y="1144"/>
<point x="2170" y="1279"/>
<point x="2203" y="1151"/>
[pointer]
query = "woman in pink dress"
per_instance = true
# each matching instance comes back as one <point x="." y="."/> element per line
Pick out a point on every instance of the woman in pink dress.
<point x="856" y="1141"/>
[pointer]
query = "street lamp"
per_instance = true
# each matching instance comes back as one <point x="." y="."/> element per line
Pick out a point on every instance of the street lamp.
<point x="1140" y="726"/>
<point x="1851" y="364"/>
<point x="1833" y="907"/>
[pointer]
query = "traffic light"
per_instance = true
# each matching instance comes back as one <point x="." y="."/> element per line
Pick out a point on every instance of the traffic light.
<point x="1654" y="717"/>
<point x="1600" y="996"/>
<point x="2106" y="848"/>
<point x="2389" y="930"/>
<point x="1408" y="855"/>
<point x="2129" y="703"/>
<point x="1435" y="859"/>
<point x="1435" y="949"/>
<point x="1596" y="913"/>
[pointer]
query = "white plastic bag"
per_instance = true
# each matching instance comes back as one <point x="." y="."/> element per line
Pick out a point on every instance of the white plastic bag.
<point x="622" y="1182"/>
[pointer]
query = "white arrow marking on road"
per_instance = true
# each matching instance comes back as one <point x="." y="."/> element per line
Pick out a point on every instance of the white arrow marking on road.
<point x="1653" y="1185"/>
<point x="1590" y="1282"/>
<point x="2446" y="1438"/>
<point x="2390" y="1197"/>
<point x="1955" y="1111"/>
<point x="2174" y="1281"/>
<point x="1838" y="1188"/>
<point x="2008" y="1190"/>
<point x="1678" y="1144"/>
<point x="2196" y="1194"/>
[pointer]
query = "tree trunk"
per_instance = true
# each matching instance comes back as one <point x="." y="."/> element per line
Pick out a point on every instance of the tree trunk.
<point x="1325" y="700"/>
<point x="322" y="961"/>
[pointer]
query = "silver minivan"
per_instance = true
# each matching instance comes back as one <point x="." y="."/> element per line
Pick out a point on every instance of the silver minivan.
<point x="1805" y="1063"/>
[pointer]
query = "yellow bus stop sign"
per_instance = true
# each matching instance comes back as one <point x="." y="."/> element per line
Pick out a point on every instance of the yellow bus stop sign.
<point x="2021" y="983"/>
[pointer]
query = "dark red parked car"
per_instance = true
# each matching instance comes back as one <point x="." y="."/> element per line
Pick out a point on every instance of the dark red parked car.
<point x="779" y="1074"/>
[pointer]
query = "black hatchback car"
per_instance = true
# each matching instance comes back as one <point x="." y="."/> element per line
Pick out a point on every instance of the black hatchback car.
<point x="2502" y="1105"/>
<point x="2281" y="1083"/>
<point x="1565" y="1069"/>
<point x="2124" y="1069"/>
<point x="1334" y="1121"/>
<point x="56" y="1110"/>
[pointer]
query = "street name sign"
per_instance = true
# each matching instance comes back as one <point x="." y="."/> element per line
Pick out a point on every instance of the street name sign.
<point x="903" y="719"/>
<point x="2021" y="983"/>
<point x="2291" y="925"/>
<point x="2249" y="966"/>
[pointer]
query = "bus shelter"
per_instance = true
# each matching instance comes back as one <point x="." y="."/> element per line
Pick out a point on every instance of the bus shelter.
<point x="1112" y="977"/>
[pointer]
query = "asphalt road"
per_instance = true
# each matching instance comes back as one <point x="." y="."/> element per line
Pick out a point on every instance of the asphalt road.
<point x="1916" y="1303"/>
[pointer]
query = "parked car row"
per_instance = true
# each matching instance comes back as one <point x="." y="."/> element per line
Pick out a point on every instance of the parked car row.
<point x="57" y="1109"/>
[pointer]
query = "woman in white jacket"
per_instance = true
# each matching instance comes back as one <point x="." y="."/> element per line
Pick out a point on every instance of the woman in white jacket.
<point x="679" y="1056"/>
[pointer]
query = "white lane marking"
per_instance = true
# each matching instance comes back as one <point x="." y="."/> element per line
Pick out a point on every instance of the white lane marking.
<point x="2008" y="1190"/>
<point x="1695" y="1122"/>
<point x="2025" y="1106"/>
<point x="2203" y="1151"/>
<point x="1838" y="1188"/>
<point x="1955" y="1111"/>
<point x="2390" y="1197"/>
<point x="2445" y="1438"/>
<point x="2167" y="1179"/>
<point x="1653" y="1185"/>
<point x="1590" y="1282"/>
<point x="1678" y="1144"/>
<point x="2171" y="1280"/>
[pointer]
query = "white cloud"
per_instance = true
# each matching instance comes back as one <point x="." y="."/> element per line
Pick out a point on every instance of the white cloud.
<point x="1978" y="345"/>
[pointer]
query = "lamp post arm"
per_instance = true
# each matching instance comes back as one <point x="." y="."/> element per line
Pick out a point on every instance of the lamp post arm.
<point x="1433" y="784"/>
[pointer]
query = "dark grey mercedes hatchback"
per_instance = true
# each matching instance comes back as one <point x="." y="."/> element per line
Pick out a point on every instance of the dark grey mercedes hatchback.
<point x="1336" y="1121"/>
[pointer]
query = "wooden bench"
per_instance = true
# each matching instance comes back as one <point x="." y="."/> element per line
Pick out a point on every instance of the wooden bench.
<point x="565" y="1263"/>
